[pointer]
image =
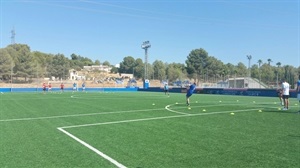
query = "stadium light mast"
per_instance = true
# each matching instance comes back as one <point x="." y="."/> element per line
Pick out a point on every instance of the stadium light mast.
<point x="13" y="34"/>
<point x="145" y="46"/>
<point x="249" y="71"/>
<point x="11" y="76"/>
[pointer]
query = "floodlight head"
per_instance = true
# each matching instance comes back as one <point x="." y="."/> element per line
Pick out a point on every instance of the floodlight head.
<point x="146" y="44"/>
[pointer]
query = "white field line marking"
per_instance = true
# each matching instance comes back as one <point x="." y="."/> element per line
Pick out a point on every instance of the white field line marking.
<point x="155" y="118"/>
<point x="223" y="104"/>
<point x="213" y="105"/>
<point x="119" y="165"/>
<point x="101" y="97"/>
<point x="167" y="108"/>
<point x="79" y="115"/>
<point x="103" y="113"/>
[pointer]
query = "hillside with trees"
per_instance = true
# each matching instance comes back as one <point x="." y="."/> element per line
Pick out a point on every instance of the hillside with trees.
<point x="18" y="62"/>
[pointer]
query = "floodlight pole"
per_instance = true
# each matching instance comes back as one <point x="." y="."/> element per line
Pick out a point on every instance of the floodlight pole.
<point x="132" y="72"/>
<point x="37" y="77"/>
<point x="11" y="76"/>
<point x="13" y="34"/>
<point x="249" y="71"/>
<point x="277" y="78"/>
<point x="145" y="46"/>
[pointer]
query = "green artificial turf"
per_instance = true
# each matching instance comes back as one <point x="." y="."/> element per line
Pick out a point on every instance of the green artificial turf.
<point x="147" y="129"/>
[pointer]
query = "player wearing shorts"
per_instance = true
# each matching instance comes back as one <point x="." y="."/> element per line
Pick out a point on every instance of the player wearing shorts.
<point x="44" y="87"/>
<point x="62" y="87"/>
<point x="190" y="92"/>
<point x="83" y="86"/>
<point x="279" y="93"/>
<point x="166" y="89"/>
<point x="298" y="91"/>
<point x="285" y="94"/>
<point x="74" y="86"/>
<point x="49" y="87"/>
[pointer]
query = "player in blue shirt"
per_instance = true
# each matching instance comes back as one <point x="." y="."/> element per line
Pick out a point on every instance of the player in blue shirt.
<point x="74" y="87"/>
<point x="83" y="86"/>
<point x="166" y="89"/>
<point x="189" y="93"/>
<point x="298" y="92"/>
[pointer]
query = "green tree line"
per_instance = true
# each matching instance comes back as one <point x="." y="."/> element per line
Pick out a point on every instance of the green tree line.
<point x="18" y="60"/>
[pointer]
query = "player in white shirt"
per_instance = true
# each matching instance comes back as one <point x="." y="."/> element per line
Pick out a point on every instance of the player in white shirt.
<point x="285" y="94"/>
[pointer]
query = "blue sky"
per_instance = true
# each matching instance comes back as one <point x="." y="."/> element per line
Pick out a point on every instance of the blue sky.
<point x="109" y="30"/>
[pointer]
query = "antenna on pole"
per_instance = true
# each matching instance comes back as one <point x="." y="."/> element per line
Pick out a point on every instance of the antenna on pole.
<point x="13" y="34"/>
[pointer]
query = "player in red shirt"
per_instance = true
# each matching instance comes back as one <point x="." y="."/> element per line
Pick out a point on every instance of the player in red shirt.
<point x="44" y="87"/>
<point x="61" y="87"/>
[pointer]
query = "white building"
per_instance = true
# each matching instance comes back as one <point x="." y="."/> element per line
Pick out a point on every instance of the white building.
<point x="75" y="75"/>
<point x="103" y="68"/>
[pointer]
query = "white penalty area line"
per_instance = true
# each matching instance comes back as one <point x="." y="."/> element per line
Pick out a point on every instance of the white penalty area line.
<point x="156" y="118"/>
<point x="119" y="165"/>
<point x="113" y="161"/>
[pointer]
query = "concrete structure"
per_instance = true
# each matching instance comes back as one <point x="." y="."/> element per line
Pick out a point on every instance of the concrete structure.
<point x="245" y="82"/>
<point x="76" y="75"/>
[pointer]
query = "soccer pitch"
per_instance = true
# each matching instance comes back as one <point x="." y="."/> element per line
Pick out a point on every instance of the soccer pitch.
<point x="146" y="129"/>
